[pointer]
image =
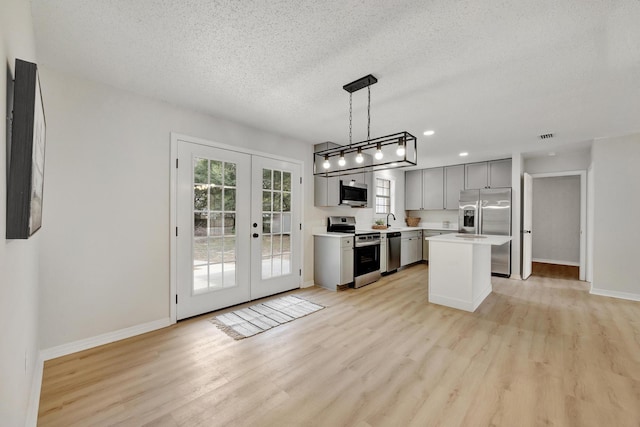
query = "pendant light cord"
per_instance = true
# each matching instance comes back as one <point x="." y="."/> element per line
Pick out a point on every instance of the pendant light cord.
<point x="369" y="114"/>
<point x="350" y="112"/>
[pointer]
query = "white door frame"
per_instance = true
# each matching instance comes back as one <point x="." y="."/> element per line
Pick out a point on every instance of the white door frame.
<point x="173" y="213"/>
<point x="583" y="212"/>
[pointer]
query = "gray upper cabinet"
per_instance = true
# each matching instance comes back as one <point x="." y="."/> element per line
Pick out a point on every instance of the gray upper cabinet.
<point x="500" y="173"/>
<point x="433" y="188"/>
<point x="494" y="174"/>
<point x="453" y="184"/>
<point x="327" y="190"/>
<point x="439" y="188"/>
<point x="413" y="190"/>
<point x="476" y="175"/>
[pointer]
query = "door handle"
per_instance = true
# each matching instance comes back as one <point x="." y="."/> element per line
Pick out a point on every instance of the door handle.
<point x="526" y="231"/>
<point x="255" y="235"/>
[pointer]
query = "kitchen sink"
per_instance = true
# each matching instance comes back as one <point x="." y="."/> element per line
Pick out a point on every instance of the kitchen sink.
<point x="471" y="236"/>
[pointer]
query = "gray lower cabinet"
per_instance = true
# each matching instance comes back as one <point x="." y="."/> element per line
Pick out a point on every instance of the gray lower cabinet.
<point x="410" y="247"/>
<point x="333" y="261"/>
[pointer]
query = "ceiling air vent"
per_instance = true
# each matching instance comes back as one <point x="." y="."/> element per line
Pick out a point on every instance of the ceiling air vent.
<point x="546" y="136"/>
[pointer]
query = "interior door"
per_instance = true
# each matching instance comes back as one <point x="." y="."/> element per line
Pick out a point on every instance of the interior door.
<point x="527" y="220"/>
<point x="275" y="227"/>
<point x="213" y="199"/>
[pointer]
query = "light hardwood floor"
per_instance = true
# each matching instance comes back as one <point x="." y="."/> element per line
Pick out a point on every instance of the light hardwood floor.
<point x="555" y="271"/>
<point x="538" y="352"/>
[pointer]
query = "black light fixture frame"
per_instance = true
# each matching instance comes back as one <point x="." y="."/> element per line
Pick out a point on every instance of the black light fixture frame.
<point x="400" y="138"/>
<point x="361" y="83"/>
<point x="404" y="161"/>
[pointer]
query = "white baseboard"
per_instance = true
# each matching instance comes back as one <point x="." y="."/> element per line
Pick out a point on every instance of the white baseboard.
<point x="308" y="284"/>
<point x="614" y="294"/>
<point x="555" y="261"/>
<point x="34" y="395"/>
<point x="109" y="337"/>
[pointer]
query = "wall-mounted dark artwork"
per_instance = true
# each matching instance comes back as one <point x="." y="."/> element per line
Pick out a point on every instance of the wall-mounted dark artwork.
<point x="25" y="181"/>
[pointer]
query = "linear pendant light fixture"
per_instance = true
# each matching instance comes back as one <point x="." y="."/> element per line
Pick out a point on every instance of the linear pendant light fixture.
<point x="386" y="152"/>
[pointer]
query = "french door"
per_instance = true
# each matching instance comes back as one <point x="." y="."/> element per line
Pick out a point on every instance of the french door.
<point x="238" y="228"/>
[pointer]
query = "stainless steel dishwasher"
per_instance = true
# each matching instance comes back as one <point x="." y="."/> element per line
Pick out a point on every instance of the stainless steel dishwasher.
<point x="393" y="251"/>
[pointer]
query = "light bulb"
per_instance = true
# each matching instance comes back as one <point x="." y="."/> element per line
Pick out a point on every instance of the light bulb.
<point x="401" y="143"/>
<point x="359" y="158"/>
<point x="342" y="161"/>
<point x="378" y="154"/>
<point x="326" y="163"/>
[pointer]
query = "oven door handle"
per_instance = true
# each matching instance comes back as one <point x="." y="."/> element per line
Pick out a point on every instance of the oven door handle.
<point x="360" y="245"/>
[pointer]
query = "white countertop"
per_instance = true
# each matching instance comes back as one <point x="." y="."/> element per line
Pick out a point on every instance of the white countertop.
<point x="388" y="230"/>
<point x="322" y="231"/>
<point x="334" y="235"/>
<point x="486" y="239"/>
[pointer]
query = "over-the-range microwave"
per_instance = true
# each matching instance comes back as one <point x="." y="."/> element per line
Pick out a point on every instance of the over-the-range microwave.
<point x="353" y="194"/>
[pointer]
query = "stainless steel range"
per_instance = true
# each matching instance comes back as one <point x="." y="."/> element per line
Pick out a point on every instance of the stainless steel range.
<point x="366" y="249"/>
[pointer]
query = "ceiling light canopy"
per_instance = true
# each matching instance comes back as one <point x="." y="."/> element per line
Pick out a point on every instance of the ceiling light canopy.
<point x="429" y="132"/>
<point x="386" y="152"/>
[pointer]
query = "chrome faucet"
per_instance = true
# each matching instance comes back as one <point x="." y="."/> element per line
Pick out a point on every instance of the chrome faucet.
<point x="394" y="218"/>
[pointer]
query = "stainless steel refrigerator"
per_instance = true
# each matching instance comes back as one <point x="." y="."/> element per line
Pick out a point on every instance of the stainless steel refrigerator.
<point x="488" y="211"/>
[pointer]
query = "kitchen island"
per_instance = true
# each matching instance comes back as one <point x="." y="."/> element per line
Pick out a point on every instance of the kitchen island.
<point x="460" y="269"/>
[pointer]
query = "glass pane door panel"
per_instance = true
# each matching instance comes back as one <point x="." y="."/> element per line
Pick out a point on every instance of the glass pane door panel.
<point x="214" y="226"/>
<point x="275" y="223"/>
<point x="286" y="181"/>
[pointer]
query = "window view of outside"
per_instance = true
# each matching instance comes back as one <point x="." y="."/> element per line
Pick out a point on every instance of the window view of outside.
<point x="214" y="225"/>
<point x="276" y="223"/>
<point x="383" y="196"/>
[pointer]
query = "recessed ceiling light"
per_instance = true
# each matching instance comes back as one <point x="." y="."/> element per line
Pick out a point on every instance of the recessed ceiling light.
<point x="463" y="154"/>
<point x="552" y="153"/>
<point x="429" y="132"/>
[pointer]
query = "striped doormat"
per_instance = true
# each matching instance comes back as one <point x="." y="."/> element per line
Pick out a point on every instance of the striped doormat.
<point x="250" y="321"/>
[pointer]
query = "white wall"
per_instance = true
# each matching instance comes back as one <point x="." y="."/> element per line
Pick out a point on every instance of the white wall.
<point x="556" y="240"/>
<point x="105" y="243"/>
<point x="18" y="258"/>
<point x="573" y="160"/>
<point x="616" y="188"/>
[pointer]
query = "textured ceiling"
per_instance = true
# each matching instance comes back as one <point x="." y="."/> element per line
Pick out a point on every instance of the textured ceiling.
<point x="487" y="76"/>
